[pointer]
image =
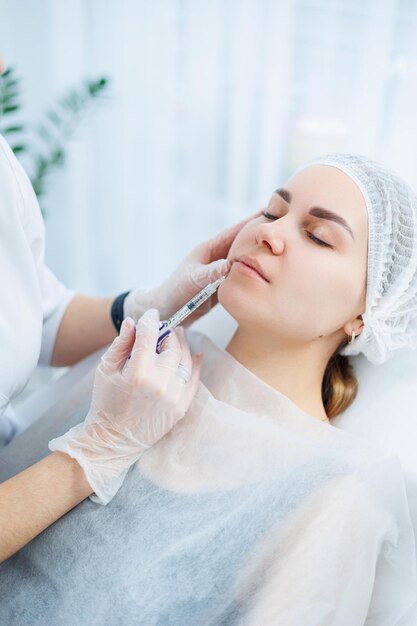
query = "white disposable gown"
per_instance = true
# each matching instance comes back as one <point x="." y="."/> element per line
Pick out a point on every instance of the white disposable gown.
<point x="249" y="512"/>
<point x="32" y="299"/>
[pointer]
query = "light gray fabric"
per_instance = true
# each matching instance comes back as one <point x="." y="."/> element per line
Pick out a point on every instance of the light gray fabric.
<point x="248" y="512"/>
<point x="390" y="319"/>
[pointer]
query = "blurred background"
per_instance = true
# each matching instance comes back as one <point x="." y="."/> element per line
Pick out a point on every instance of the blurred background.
<point x="208" y="107"/>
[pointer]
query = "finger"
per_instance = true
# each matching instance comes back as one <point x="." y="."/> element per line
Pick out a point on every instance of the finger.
<point x="163" y="336"/>
<point x="186" y="392"/>
<point x="186" y="358"/>
<point x="201" y="310"/>
<point x="218" y="247"/>
<point x="144" y="347"/>
<point x="170" y="352"/>
<point x="192" y="385"/>
<point x="202" y="275"/>
<point x="115" y="357"/>
<point x="220" y="244"/>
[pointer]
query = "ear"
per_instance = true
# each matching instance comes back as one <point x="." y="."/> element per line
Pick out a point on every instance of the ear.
<point x="356" y="324"/>
<point x="361" y="323"/>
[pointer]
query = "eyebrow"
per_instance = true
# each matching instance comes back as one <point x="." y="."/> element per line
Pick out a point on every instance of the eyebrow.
<point x="317" y="211"/>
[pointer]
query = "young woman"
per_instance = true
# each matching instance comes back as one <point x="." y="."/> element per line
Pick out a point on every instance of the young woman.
<point x="254" y="509"/>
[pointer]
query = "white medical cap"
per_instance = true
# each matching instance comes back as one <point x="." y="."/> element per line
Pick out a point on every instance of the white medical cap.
<point x="390" y="318"/>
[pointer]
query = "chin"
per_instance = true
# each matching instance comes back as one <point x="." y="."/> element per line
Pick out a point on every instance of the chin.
<point x="238" y="301"/>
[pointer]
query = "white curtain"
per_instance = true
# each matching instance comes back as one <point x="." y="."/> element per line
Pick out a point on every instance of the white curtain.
<point x="212" y="106"/>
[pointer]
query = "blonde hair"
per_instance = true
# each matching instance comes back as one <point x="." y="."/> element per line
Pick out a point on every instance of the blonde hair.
<point x="340" y="385"/>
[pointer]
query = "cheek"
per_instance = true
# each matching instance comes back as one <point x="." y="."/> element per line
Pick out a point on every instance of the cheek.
<point x="322" y="295"/>
<point x="245" y="236"/>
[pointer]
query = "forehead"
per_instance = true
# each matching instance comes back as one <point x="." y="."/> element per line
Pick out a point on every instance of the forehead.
<point x="328" y="187"/>
<point x="327" y="184"/>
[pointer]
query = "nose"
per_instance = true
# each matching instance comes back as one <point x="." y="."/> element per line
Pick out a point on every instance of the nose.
<point x="267" y="234"/>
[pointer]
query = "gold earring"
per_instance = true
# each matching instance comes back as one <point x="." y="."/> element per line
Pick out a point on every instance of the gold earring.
<point x="352" y="338"/>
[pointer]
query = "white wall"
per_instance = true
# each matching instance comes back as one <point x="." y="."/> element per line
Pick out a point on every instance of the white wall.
<point x="213" y="104"/>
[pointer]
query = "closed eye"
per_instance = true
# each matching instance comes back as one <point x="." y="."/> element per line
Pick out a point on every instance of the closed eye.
<point x="312" y="237"/>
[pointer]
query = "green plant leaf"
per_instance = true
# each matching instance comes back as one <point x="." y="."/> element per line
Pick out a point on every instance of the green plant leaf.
<point x="9" y="130"/>
<point x="58" y="125"/>
<point x="9" y="96"/>
<point x="10" y="108"/>
<point x="46" y="134"/>
<point x="19" y="148"/>
<point x="54" y="117"/>
<point x="11" y="82"/>
<point x="95" y="87"/>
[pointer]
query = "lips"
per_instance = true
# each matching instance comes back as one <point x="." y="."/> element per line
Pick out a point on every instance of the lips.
<point x="253" y="263"/>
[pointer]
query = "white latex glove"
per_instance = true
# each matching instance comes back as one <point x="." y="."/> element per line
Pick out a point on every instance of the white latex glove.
<point x="205" y="264"/>
<point x="135" y="403"/>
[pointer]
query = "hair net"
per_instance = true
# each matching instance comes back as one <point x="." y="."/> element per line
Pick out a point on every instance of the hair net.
<point x="390" y="318"/>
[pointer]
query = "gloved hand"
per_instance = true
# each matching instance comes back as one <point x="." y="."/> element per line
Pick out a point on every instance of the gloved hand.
<point x="135" y="403"/>
<point x="205" y="264"/>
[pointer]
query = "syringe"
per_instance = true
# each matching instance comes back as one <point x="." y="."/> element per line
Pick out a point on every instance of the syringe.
<point x="186" y="310"/>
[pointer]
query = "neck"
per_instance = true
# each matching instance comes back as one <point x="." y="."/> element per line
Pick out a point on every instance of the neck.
<point x="297" y="372"/>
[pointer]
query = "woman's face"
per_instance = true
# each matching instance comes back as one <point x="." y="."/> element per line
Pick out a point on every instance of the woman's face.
<point x="308" y="289"/>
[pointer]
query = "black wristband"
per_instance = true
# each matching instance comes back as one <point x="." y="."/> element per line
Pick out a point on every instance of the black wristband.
<point x="117" y="311"/>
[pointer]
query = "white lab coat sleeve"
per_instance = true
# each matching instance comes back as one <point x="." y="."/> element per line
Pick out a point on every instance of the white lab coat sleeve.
<point x="361" y="570"/>
<point x="55" y="300"/>
<point x="55" y="296"/>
